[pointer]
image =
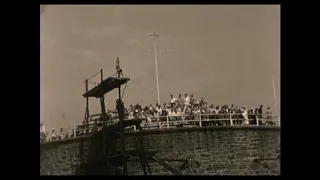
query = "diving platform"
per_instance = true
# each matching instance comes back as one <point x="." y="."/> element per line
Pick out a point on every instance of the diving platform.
<point x="106" y="86"/>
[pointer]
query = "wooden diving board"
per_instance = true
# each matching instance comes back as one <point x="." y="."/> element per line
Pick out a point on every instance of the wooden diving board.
<point x="107" y="85"/>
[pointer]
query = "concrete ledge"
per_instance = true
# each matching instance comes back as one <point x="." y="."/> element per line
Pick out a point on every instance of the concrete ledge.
<point x="165" y="130"/>
<point x="208" y="128"/>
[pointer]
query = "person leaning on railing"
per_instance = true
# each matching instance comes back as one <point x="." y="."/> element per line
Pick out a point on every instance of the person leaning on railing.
<point x="42" y="133"/>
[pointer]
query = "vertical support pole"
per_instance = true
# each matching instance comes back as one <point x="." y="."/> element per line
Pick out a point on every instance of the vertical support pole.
<point x="123" y="147"/>
<point x="74" y="131"/>
<point x="87" y="109"/>
<point x="134" y="128"/>
<point x="257" y="117"/>
<point x="49" y="134"/>
<point x="168" y="126"/>
<point x="95" y="127"/>
<point x="200" y="123"/>
<point x="103" y="108"/>
<point x="231" y="123"/>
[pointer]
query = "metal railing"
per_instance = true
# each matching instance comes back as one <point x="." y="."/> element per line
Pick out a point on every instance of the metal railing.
<point x="187" y="120"/>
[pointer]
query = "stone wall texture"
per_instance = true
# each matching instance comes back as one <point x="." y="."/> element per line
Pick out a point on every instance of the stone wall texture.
<point x="212" y="151"/>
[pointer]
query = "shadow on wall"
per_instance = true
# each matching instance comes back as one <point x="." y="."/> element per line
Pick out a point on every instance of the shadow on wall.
<point x="93" y="154"/>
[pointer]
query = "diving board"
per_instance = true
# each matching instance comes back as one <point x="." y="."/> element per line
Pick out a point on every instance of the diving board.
<point x="106" y="86"/>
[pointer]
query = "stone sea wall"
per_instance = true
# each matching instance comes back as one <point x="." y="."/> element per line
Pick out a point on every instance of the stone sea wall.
<point x="210" y="151"/>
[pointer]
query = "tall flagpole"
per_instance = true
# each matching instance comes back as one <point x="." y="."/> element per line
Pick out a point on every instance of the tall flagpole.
<point x="274" y="92"/>
<point x="156" y="63"/>
<point x="275" y="97"/>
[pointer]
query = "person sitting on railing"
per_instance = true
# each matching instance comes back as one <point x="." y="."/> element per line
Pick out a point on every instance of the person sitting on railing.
<point x="158" y="112"/>
<point x="131" y="114"/>
<point x="260" y="110"/>
<point x="137" y="111"/>
<point x="53" y="135"/>
<point x="164" y="113"/>
<point x="232" y="111"/>
<point x="67" y="135"/>
<point x="262" y="120"/>
<point x="204" y="111"/>
<point x="216" y="115"/>
<point x="197" y="113"/>
<point x="269" y="117"/>
<point x="177" y="114"/>
<point x="226" y="115"/>
<point x="210" y="111"/>
<point x="251" y="116"/>
<point x="256" y="116"/>
<point x="172" y="115"/>
<point x="238" y="116"/>
<point x="152" y="110"/>
<point x="245" y="115"/>
<point x="61" y="134"/>
<point x="149" y="117"/>
<point x="42" y="133"/>
<point x="221" y="114"/>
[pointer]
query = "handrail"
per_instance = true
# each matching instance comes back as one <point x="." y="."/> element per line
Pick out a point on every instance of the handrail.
<point x="200" y="120"/>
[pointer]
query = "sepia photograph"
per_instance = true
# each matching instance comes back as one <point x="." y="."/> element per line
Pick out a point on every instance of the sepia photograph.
<point x="160" y="90"/>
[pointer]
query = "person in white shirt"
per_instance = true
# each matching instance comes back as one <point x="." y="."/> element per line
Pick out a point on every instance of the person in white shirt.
<point x="180" y="100"/>
<point x="158" y="112"/>
<point x="172" y="99"/>
<point x="42" y="128"/>
<point x="176" y="114"/>
<point x="172" y="115"/>
<point x="42" y="133"/>
<point x="245" y="116"/>
<point x="53" y="135"/>
<point x="186" y="99"/>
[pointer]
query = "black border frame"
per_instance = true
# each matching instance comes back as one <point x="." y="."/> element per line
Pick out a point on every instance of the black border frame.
<point x="26" y="35"/>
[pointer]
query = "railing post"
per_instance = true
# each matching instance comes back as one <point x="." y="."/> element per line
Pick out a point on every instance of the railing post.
<point x="50" y="134"/>
<point x="231" y="123"/>
<point x="168" y="122"/>
<point x="200" y="124"/>
<point x="257" y="117"/>
<point x="74" y="131"/>
<point x="134" y="128"/>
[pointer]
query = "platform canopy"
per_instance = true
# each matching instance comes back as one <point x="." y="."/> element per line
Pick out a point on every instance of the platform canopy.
<point x="107" y="85"/>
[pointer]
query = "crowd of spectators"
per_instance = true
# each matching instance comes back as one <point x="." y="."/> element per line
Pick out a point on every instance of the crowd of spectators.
<point x="52" y="135"/>
<point x="180" y="110"/>
<point x="188" y="108"/>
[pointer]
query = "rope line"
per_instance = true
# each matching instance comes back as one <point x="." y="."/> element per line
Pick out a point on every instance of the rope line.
<point x="124" y="90"/>
<point x="144" y="87"/>
<point x="93" y="75"/>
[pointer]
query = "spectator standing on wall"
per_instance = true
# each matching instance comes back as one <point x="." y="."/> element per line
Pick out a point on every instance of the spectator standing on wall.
<point x="172" y="100"/>
<point x="192" y="100"/>
<point x="158" y="112"/>
<point x="53" y="135"/>
<point x="172" y="115"/>
<point x="61" y="134"/>
<point x="186" y="99"/>
<point x="180" y="100"/>
<point x="260" y="110"/>
<point x="245" y="116"/>
<point x="42" y="133"/>
<point x="269" y="117"/>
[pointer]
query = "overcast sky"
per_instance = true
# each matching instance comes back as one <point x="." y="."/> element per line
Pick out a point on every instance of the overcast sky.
<point x="226" y="54"/>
